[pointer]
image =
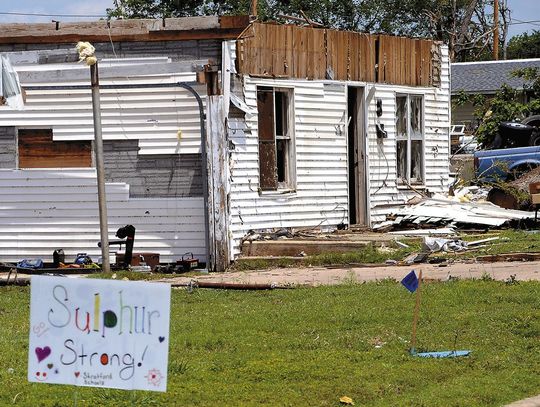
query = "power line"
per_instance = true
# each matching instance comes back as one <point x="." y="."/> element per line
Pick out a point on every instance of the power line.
<point x="532" y="22"/>
<point x="14" y="13"/>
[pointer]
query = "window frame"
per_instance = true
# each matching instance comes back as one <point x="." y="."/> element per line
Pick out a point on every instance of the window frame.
<point x="288" y="134"/>
<point x="410" y="137"/>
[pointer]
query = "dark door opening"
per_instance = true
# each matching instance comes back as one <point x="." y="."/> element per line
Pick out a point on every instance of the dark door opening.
<point x="357" y="157"/>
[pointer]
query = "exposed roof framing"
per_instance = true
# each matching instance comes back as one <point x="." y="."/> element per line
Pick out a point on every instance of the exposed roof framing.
<point x="169" y="29"/>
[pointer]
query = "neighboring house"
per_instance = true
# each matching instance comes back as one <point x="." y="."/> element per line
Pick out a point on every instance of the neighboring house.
<point x="305" y="129"/>
<point x="484" y="78"/>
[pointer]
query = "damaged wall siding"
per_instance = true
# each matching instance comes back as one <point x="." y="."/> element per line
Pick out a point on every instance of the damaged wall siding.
<point x="152" y="116"/>
<point x="159" y="175"/>
<point x="44" y="210"/>
<point x="176" y="50"/>
<point x="383" y="176"/>
<point x="320" y="199"/>
<point x="8" y="147"/>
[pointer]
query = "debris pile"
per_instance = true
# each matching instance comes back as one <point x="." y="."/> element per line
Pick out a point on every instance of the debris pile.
<point x="441" y="211"/>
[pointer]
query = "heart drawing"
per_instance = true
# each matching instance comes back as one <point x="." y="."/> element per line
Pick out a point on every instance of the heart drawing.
<point x="161" y="339"/>
<point x="42" y="353"/>
<point x="77" y="374"/>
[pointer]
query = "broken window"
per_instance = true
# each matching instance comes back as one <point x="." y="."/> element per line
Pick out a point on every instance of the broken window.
<point x="410" y="139"/>
<point x="276" y="141"/>
<point x="36" y="149"/>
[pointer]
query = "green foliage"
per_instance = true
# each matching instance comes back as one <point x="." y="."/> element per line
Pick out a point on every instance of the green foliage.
<point x="505" y="105"/>
<point x="311" y="346"/>
<point x="176" y="8"/>
<point x="524" y="46"/>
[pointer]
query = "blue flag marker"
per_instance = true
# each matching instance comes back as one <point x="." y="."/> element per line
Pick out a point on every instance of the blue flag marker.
<point x="410" y="281"/>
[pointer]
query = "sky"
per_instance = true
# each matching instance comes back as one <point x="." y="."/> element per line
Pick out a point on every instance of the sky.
<point x="522" y="10"/>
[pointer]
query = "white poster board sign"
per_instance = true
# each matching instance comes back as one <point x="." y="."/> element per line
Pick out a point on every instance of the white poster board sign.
<point x="99" y="333"/>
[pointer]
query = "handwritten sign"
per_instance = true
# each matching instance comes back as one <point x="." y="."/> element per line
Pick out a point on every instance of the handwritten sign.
<point x="99" y="333"/>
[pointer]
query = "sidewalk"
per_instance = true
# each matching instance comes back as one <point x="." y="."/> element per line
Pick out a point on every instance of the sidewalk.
<point x="530" y="402"/>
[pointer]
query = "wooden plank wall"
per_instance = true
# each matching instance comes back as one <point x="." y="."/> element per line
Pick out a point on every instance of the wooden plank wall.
<point x="288" y="51"/>
<point x="404" y="61"/>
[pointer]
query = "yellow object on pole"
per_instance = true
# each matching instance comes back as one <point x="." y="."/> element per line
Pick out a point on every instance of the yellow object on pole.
<point x="86" y="53"/>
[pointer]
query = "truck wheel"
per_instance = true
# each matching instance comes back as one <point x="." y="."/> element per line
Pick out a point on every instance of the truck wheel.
<point x="535" y="138"/>
<point x="519" y="171"/>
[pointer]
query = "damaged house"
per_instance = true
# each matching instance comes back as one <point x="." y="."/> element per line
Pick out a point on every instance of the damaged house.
<point x="300" y="128"/>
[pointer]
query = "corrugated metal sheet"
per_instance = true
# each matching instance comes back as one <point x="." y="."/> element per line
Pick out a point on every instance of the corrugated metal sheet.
<point x="44" y="210"/>
<point x="153" y="116"/>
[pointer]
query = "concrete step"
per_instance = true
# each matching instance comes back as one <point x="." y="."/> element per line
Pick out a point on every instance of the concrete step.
<point x="291" y="247"/>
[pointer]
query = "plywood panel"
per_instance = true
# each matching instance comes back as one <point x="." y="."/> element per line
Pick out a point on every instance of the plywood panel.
<point x="38" y="150"/>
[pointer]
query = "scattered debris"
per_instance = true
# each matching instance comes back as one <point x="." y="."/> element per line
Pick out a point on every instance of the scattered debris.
<point x="402" y="245"/>
<point x="438" y="244"/>
<point x="472" y="193"/>
<point x="425" y="232"/>
<point x="455" y="245"/>
<point x="443" y="354"/>
<point x="416" y="258"/>
<point x="441" y="210"/>
<point x="346" y="400"/>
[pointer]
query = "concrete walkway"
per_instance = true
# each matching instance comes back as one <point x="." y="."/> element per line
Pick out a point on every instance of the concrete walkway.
<point x="314" y="276"/>
<point x="530" y="402"/>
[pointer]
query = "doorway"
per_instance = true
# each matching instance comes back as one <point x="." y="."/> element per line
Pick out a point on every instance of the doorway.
<point x="358" y="197"/>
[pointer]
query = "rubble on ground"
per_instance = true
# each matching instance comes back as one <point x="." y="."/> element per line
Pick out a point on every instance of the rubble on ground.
<point x="450" y="212"/>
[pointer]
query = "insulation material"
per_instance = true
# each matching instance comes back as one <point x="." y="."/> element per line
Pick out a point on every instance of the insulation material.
<point x="10" y="86"/>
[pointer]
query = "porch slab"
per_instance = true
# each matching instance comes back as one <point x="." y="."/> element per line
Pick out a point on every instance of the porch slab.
<point x="307" y="247"/>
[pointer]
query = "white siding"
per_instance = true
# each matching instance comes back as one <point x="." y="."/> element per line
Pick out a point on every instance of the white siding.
<point x="152" y="115"/>
<point x="382" y="155"/>
<point x="321" y="197"/>
<point x="44" y="210"/>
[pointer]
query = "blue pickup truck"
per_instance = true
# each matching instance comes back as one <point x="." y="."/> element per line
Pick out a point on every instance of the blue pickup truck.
<point x="505" y="163"/>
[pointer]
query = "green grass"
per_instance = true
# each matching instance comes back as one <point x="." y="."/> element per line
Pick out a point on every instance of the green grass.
<point x="310" y="346"/>
<point x="511" y="241"/>
<point x="369" y="255"/>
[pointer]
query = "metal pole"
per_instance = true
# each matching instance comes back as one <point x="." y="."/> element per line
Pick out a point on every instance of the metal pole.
<point x="210" y="260"/>
<point x="202" y="117"/>
<point x="416" y="313"/>
<point x="496" y="30"/>
<point x="100" y="168"/>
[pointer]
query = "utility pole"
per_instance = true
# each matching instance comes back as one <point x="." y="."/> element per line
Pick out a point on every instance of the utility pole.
<point x="496" y="30"/>
<point x="100" y="168"/>
<point x="254" y="8"/>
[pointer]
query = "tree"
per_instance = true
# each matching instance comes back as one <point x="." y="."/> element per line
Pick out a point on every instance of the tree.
<point x="524" y="46"/>
<point x="505" y="105"/>
<point x="463" y="24"/>
<point x="176" y="8"/>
